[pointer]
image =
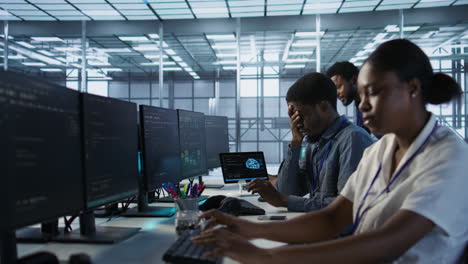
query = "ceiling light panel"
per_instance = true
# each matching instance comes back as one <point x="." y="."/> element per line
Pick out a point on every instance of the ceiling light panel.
<point x="88" y="1"/>
<point x="287" y="7"/>
<point x="283" y="13"/>
<point x="126" y="1"/>
<point x="28" y="13"/>
<point x="72" y="18"/>
<point x="145" y="17"/>
<point x="142" y="12"/>
<point x="247" y="9"/>
<point x="56" y="7"/>
<point x="179" y="16"/>
<point x="312" y="7"/>
<point x="396" y="4"/>
<point x="131" y="6"/>
<point x="47" y="1"/>
<point x="94" y="7"/>
<point x="11" y="7"/>
<point x="233" y="3"/>
<point x="356" y="9"/>
<point x="433" y="3"/>
<point x="65" y="13"/>
<point x="360" y="3"/>
<point x="247" y="14"/>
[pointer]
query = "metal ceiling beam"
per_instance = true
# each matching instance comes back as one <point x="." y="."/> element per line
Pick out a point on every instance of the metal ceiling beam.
<point x="342" y="21"/>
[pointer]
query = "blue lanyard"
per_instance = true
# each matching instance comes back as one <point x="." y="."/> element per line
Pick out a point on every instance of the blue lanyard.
<point x="359" y="214"/>
<point x="316" y="177"/>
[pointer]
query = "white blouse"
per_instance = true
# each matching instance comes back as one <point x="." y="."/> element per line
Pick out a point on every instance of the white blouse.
<point x="434" y="184"/>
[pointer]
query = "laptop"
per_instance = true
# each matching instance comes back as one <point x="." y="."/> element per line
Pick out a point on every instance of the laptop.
<point x="243" y="166"/>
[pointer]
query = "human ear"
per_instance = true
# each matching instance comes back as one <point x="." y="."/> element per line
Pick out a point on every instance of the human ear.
<point x="414" y="87"/>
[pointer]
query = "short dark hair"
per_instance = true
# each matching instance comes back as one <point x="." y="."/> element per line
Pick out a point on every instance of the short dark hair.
<point x="313" y="88"/>
<point x="345" y="69"/>
<point x="408" y="61"/>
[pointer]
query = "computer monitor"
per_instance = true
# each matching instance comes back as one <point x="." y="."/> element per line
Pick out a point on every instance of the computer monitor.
<point x="160" y="156"/>
<point x="110" y="145"/>
<point x="192" y="143"/>
<point x="243" y="166"/>
<point x="110" y="148"/>
<point x="216" y="138"/>
<point x="41" y="164"/>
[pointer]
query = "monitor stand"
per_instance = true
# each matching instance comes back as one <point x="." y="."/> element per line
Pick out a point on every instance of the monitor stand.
<point x="44" y="234"/>
<point x="8" y="250"/>
<point x="89" y="233"/>
<point x="109" y="210"/>
<point x="144" y="210"/>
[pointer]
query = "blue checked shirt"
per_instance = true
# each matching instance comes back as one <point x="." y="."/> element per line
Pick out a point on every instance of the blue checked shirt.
<point x="300" y="166"/>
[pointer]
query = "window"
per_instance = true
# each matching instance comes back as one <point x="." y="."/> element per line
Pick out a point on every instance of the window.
<point x="98" y="88"/>
<point x="248" y="88"/>
<point x="271" y="87"/>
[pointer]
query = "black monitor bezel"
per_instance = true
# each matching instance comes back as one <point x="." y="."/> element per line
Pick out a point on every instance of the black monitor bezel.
<point x="225" y="118"/>
<point x="144" y="176"/>
<point x="202" y="172"/>
<point x="132" y="193"/>
<point x="226" y="181"/>
<point x="9" y="225"/>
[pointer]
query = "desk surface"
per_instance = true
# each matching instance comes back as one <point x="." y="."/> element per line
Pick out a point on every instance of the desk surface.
<point x="155" y="237"/>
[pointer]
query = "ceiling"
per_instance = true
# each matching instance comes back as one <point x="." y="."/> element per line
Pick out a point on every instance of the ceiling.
<point x="199" y="47"/>
<point x="59" y="10"/>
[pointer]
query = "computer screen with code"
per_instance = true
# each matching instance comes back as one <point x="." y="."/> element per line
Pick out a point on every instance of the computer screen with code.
<point x="111" y="149"/>
<point x="160" y="145"/>
<point x="192" y="143"/>
<point x="40" y="122"/>
<point x="217" y="139"/>
<point x="238" y="166"/>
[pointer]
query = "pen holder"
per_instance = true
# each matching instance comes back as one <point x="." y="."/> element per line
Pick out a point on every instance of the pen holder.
<point x="187" y="215"/>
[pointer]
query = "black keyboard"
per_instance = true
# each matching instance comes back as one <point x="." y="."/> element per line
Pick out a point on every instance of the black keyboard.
<point x="248" y="208"/>
<point x="183" y="251"/>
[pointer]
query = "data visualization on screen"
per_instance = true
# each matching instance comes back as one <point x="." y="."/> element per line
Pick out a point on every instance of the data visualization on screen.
<point x="243" y="166"/>
<point x="192" y="143"/>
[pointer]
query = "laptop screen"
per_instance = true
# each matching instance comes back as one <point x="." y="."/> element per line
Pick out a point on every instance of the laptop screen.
<point x="245" y="166"/>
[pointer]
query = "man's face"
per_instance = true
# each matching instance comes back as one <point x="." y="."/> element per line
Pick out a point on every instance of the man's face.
<point x="312" y="120"/>
<point x="344" y="89"/>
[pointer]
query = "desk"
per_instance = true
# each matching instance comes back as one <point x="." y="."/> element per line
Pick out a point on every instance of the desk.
<point x="155" y="237"/>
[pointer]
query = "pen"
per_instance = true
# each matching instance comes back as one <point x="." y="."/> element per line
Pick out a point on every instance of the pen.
<point x="189" y="187"/>
<point x="172" y="191"/>
<point x="200" y="192"/>
<point x="194" y="190"/>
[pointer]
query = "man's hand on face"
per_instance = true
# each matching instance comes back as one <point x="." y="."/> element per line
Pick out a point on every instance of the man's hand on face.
<point x="295" y="124"/>
<point x="268" y="192"/>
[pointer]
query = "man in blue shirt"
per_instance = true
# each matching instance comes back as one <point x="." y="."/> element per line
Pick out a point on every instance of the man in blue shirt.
<point x="324" y="151"/>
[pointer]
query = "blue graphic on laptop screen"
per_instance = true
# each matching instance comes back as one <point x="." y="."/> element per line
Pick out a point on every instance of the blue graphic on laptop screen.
<point x="243" y="166"/>
<point x="253" y="164"/>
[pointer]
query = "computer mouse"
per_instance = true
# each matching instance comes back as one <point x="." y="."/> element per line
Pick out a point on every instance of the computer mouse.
<point x="230" y="205"/>
<point x="214" y="202"/>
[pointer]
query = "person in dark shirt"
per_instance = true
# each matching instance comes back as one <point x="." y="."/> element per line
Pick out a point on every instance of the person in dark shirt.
<point x="344" y="75"/>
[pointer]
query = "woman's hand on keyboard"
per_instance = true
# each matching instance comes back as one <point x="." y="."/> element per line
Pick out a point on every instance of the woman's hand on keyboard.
<point x="230" y="244"/>
<point x="233" y="224"/>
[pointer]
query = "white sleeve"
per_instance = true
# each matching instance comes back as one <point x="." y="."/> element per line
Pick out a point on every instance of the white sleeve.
<point x="349" y="190"/>
<point x="440" y="192"/>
